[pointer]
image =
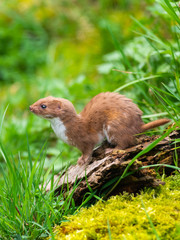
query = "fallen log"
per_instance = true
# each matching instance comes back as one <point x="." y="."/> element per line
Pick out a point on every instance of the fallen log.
<point x="108" y="166"/>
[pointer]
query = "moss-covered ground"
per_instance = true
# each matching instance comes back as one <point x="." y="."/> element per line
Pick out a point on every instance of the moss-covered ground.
<point x="153" y="214"/>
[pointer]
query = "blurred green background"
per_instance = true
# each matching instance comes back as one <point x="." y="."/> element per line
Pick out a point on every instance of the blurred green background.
<point x="69" y="49"/>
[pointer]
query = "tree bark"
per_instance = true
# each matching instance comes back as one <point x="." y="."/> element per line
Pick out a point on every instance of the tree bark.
<point x="109" y="165"/>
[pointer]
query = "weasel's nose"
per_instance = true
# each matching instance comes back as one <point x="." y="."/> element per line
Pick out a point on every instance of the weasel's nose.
<point x="30" y="108"/>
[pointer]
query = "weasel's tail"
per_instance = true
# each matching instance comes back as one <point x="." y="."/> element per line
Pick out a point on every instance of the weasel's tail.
<point x="154" y="124"/>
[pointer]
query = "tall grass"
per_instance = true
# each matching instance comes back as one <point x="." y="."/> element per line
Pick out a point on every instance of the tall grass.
<point x="27" y="211"/>
<point x="25" y="207"/>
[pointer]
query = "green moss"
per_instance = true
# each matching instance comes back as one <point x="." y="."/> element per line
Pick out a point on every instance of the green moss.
<point x="127" y="216"/>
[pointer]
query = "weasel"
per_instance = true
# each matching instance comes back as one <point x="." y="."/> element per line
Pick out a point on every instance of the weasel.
<point x="108" y="115"/>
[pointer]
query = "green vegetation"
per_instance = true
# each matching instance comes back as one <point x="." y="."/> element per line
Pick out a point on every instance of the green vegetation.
<point x="154" y="214"/>
<point x="69" y="49"/>
<point x="27" y="211"/>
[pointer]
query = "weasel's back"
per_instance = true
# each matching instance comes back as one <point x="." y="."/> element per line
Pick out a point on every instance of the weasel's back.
<point x="109" y="107"/>
<point x="109" y="101"/>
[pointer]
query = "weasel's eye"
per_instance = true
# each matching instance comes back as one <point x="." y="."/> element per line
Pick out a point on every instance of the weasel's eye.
<point x="43" y="106"/>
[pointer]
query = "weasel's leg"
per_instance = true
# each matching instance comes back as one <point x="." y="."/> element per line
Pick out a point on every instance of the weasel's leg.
<point x="123" y="142"/>
<point x="86" y="156"/>
<point x="84" y="159"/>
<point x="121" y="138"/>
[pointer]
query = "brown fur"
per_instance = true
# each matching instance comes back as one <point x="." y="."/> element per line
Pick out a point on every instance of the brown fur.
<point x="108" y="115"/>
<point x="154" y="124"/>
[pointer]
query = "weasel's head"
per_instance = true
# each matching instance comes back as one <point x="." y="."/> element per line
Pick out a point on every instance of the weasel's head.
<point x="51" y="107"/>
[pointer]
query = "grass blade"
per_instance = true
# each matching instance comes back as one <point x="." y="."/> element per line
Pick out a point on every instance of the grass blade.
<point x="150" y="221"/>
<point x="136" y="81"/>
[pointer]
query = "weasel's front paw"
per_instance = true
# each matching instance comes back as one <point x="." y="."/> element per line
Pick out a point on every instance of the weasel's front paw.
<point x="84" y="160"/>
<point x="81" y="161"/>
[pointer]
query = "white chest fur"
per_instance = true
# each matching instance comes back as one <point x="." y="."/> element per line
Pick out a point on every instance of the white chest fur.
<point x="59" y="129"/>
